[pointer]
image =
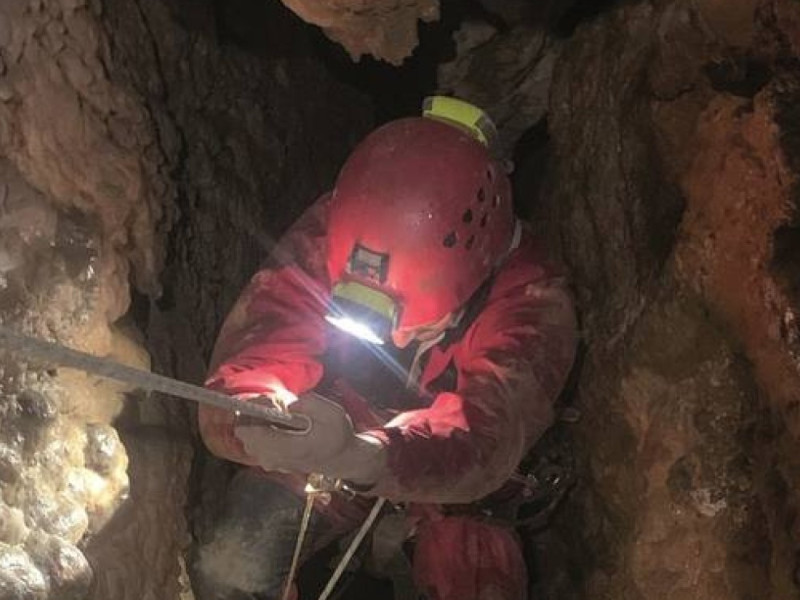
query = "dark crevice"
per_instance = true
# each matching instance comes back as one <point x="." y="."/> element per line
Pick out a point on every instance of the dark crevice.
<point x="480" y="11"/>
<point x="741" y="76"/>
<point x="154" y="106"/>
<point x="786" y="258"/>
<point x="398" y="91"/>
<point x="582" y="11"/>
<point x="786" y="251"/>
<point x="531" y="158"/>
<point x="264" y="28"/>
<point x="395" y="91"/>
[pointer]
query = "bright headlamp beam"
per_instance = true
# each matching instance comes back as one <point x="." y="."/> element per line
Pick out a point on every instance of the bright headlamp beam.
<point x="357" y="328"/>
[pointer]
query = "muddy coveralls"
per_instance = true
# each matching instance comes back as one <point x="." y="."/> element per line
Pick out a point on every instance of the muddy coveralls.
<point x="486" y="395"/>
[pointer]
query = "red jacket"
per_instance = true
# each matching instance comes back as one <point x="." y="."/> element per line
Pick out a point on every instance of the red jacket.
<point x="508" y="364"/>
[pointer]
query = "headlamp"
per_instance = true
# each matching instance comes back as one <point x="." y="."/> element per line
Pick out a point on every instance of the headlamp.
<point x="362" y="311"/>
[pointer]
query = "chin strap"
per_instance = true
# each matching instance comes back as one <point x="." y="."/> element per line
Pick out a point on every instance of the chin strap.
<point x="516" y="238"/>
<point x="415" y="370"/>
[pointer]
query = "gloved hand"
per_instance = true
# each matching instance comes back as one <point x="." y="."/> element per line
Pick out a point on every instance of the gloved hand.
<point x="330" y="446"/>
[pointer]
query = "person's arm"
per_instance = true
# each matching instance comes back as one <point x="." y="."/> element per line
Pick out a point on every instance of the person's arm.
<point x="511" y="367"/>
<point x="272" y="339"/>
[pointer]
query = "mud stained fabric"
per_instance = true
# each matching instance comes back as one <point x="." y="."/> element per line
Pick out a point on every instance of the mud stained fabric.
<point x="510" y="366"/>
<point x="456" y="445"/>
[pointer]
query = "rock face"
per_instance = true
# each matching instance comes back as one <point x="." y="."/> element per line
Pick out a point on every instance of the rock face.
<point x="385" y="29"/>
<point x="673" y="197"/>
<point x="63" y="467"/>
<point x="77" y="216"/>
<point x="134" y="138"/>
<point x="519" y="62"/>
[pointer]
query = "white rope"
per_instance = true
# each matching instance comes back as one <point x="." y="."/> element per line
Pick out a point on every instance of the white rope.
<point x="351" y="550"/>
<point x="298" y="547"/>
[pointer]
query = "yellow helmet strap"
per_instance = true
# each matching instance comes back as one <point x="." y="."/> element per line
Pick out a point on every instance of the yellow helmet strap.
<point x="463" y="115"/>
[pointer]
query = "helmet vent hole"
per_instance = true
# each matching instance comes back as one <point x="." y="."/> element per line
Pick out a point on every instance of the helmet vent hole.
<point x="467" y="216"/>
<point x="484" y="220"/>
<point x="490" y="174"/>
<point x="450" y="240"/>
<point x="496" y="201"/>
<point x="470" y="241"/>
<point x="481" y="195"/>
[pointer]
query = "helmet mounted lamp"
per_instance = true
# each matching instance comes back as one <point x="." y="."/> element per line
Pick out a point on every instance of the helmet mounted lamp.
<point x="359" y="308"/>
<point x="362" y="311"/>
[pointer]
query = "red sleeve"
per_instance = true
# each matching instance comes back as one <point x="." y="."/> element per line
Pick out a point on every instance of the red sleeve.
<point x="511" y="364"/>
<point x="275" y="332"/>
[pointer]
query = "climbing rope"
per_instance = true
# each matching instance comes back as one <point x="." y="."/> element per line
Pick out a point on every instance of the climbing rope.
<point x="316" y="486"/>
<point x="351" y="550"/>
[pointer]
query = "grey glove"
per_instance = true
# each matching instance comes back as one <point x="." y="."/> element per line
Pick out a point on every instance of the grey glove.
<point x="329" y="447"/>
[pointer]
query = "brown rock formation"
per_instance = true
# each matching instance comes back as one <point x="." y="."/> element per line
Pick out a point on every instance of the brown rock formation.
<point x="385" y="29"/>
<point x="675" y="173"/>
<point x="76" y="213"/>
<point x="120" y="121"/>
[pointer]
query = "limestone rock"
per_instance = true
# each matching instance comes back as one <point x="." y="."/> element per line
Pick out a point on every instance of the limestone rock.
<point x="385" y="29"/>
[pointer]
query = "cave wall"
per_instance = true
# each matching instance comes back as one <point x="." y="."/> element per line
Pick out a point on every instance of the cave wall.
<point x="148" y="152"/>
<point x="78" y="218"/>
<point x="656" y="149"/>
<point x="673" y="165"/>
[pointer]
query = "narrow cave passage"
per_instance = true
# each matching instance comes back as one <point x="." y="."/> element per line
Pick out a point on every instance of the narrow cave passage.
<point x="153" y="151"/>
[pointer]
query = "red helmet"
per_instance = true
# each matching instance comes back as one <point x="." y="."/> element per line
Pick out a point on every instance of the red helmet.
<point x="420" y="216"/>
